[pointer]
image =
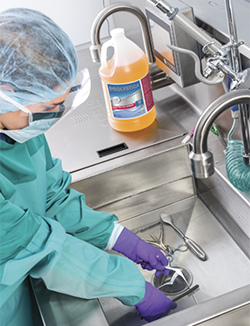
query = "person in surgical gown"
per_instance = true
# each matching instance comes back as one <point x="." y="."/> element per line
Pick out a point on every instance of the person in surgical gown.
<point x="47" y="231"/>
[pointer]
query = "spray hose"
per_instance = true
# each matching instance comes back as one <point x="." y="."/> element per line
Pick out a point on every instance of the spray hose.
<point x="237" y="172"/>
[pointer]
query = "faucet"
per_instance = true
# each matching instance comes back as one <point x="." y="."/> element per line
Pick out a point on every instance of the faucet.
<point x="95" y="48"/>
<point x="201" y="159"/>
<point x="157" y="76"/>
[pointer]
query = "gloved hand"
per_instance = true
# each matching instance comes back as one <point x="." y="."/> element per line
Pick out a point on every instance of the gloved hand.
<point x="154" y="304"/>
<point x="138" y="250"/>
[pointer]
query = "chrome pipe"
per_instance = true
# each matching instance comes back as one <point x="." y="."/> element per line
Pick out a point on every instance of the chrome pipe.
<point x="201" y="159"/>
<point x="236" y="59"/>
<point x="157" y="76"/>
<point x="95" y="47"/>
<point x="212" y="45"/>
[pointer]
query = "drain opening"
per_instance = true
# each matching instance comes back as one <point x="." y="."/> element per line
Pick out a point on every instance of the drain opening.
<point x="112" y="150"/>
<point x="179" y="285"/>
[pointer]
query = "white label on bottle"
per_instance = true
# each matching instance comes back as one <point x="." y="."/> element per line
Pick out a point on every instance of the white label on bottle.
<point x="131" y="100"/>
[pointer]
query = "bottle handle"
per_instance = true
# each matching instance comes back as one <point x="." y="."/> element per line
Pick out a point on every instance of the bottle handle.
<point x="104" y="49"/>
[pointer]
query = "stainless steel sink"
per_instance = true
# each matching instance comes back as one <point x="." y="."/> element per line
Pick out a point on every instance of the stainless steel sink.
<point x="137" y="192"/>
<point x="226" y="270"/>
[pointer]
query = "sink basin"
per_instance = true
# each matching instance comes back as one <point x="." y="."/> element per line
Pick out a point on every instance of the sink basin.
<point x="226" y="269"/>
<point x="137" y="193"/>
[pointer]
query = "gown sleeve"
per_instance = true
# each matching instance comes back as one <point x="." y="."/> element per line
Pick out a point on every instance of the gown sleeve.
<point x="38" y="246"/>
<point x="68" y="207"/>
<point x="17" y="229"/>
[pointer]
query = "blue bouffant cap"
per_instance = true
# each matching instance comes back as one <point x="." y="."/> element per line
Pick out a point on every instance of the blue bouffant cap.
<point x="38" y="61"/>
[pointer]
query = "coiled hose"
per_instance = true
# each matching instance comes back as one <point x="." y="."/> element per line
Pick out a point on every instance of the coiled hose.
<point x="237" y="172"/>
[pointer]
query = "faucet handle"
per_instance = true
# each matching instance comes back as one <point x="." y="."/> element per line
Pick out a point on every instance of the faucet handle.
<point x="229" y="46"/>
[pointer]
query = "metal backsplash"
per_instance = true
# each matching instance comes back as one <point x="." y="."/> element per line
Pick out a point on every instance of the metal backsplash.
<point x="141" y="186"/>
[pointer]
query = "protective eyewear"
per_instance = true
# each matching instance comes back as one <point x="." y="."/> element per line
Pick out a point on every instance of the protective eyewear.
<point x="78" y="93"/>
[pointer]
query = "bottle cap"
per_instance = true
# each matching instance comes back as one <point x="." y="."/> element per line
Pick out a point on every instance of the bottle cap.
<point x="117" y="32"/>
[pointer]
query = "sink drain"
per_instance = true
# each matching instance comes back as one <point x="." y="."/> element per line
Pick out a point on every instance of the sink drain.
<point x="179" y="284"/>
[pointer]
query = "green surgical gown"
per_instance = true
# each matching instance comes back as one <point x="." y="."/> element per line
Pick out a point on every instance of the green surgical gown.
<point x="48" y="232"/>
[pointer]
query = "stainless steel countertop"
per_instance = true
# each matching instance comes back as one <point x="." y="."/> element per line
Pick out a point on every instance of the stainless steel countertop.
<point x="80" y="135"/>
<point x="77" y="138"/>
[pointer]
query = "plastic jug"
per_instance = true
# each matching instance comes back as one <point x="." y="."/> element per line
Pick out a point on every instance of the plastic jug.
<point x="126" y="84"/>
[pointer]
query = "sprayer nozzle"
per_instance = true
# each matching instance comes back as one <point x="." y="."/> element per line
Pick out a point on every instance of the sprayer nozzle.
<point x="202" y="165"/>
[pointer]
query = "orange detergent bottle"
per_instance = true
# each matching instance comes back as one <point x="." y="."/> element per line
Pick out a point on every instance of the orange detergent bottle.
<point x="126" y="84"/>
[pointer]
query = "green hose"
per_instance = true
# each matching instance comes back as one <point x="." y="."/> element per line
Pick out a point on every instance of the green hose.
<point x="238" y="173"/>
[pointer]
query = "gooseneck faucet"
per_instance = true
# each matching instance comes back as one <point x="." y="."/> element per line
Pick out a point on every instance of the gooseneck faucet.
<point x="95" y="48"/>
<point x="201" y="158"/>
<point x="157" y="76"/>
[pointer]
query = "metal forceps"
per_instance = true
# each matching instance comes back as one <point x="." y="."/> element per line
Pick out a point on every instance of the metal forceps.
<point x="158" y="241"/>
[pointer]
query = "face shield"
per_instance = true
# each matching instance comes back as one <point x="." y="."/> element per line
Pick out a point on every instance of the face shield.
<point x="78" y="93"/>
<point x="44" y="116"/>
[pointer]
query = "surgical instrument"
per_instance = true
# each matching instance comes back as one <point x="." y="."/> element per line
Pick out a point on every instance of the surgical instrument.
<point x="193" y="246"/>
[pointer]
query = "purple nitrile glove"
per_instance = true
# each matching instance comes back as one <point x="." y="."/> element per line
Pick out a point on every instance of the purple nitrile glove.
<point x="154" y="304"/>
<point x="138" y="250"/>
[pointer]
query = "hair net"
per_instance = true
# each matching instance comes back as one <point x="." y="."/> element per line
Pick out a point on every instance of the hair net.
<point x="38" y="61"/>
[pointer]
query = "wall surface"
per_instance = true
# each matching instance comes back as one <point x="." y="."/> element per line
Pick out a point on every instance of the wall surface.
<point x="75" y="16"/>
